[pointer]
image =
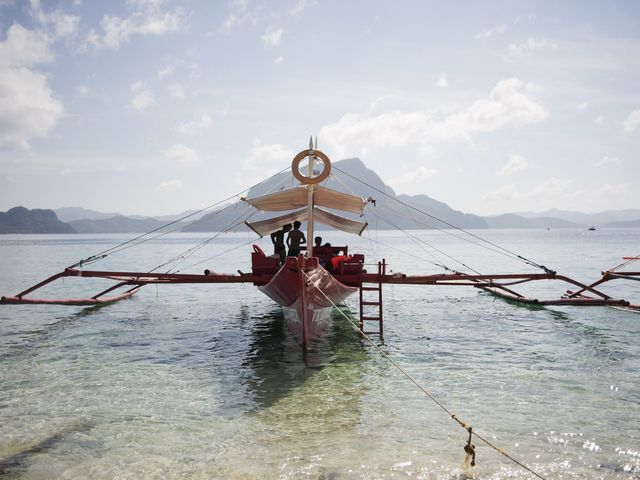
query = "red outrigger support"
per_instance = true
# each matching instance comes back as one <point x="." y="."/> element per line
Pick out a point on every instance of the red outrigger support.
<point x="496" y="284"/>
<point x="134" y="279"/>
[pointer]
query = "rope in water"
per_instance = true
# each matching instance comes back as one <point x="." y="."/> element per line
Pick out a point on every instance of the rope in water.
<point x="453" y="416"/>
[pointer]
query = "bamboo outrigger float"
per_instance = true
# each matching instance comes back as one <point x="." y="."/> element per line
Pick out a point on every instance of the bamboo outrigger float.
<point x="308" y="286"/>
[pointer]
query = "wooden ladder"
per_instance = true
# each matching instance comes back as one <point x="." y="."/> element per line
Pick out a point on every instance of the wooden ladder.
<point x="368" y="312"/>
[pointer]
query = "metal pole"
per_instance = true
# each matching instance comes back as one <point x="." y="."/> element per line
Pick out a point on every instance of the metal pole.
<point x="310" y="201"/>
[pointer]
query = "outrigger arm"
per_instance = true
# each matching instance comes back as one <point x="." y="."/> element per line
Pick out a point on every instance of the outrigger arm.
<point x="496" y="284"/>
<point x="135" y="280"/>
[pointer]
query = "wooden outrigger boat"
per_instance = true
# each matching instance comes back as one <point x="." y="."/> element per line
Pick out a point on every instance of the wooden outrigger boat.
<point x="309" y="286"/>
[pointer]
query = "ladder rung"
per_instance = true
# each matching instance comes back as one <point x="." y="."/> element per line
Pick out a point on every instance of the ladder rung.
<point x="377" y="319"/>
<point x="372" y="332"/>
<point x="369" y="303"/>
<point x="370" y="288"/>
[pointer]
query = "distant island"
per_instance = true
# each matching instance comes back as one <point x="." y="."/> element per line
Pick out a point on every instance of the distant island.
<point x="383" y="216"/>
<point x="22" y="220"/>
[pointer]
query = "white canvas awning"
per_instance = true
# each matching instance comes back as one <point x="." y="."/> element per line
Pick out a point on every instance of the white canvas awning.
<point x="265" y="227"/>
<point x="325" y="197"/>
<point x="297" y="198"/>
<point x="279" y="201"/>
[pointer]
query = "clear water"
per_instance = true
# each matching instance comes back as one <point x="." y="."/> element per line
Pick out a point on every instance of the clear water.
<point x="202" y="382"/>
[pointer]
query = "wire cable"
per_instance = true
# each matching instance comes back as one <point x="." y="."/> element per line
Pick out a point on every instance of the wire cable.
<point x="513" y="254"/>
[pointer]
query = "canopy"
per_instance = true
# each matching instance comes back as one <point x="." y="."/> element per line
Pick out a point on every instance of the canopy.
<point x="297" y="198"/>
<point x="265" y="227"/>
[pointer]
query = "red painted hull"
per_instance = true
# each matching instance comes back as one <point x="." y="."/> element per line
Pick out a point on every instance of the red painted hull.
<point x="306" y="292"/>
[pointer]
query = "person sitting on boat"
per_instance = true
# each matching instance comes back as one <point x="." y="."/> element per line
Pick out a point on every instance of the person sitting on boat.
<point x="279" y="248"/>
<point x="323" y="253"/>
<point x="318" y="243"/>
<point x="294" y="239"/>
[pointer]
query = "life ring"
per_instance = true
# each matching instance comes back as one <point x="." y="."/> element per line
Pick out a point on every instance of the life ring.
<point x="258" y="250"/>
<point x="295" y="166"/>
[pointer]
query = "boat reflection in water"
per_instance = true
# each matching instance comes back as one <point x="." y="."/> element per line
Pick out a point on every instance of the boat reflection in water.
<point x="279" y="372"/>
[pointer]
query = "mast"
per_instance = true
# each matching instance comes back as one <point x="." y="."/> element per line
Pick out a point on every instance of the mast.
<point x="310" y="188"/>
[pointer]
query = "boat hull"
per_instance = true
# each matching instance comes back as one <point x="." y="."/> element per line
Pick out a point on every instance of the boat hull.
<point x="307" y="293"/>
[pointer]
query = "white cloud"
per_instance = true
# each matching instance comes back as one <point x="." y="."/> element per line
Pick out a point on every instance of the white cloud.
<point x="606" y="161"/>
<point x="182" y="154"/>
<point x="164" y="71"/>
<point x="262" y="161"/>
<point x="442" y="82"/>
<point x="517" y="50"/>
<point x="196" y="127"/>
<point x="146" y="18"/>
<point x="548" y="192"/>
<point x="509" y="105"/>
<point x="176" y="90"/>
<point x="607" y="191"/>
<point x="27" y="106"/>
<point x="499" y="30"/>
<point x="632" y="122"/>
<point x="239" y="16"/>
<point x="505" y="192"/>
<point x="268" y="155"/>
<point x="278" y="60"/>
<point x="301" y="6"/>
<point x="582" y="106"/>
<point x="515" y="164"/>
<point x="272" y="38"/>
<point x="599" y="120"/>
<point x="63" y="25"/>
<point x="24" y="48"/>
<point x="82" y="90"/>
<point x="142" y="99"/>
<point x="413" y="177"/>
<point x="170" y="185"/>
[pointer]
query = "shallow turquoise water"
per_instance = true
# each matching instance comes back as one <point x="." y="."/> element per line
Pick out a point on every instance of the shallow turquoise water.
<point x="202" y="382"/>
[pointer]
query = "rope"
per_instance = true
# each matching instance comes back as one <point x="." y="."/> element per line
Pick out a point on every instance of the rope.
<point x="623" y="264"/>
<point x="417" y="240"/>
<point x="189" y="252"/>
<point x="430" y="225"/>
<point x="512" y="254"/>
<point x="129" y="243"/>
<point x="469" y="447"/>
<point x="216" y="256"/>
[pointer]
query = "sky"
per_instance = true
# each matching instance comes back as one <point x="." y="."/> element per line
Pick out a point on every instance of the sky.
<point x="154" y="107"/>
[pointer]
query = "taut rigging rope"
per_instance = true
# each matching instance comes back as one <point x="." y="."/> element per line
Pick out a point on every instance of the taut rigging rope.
<point x="484" y="240"/>
<point x="419" y="240"/>
<point x="130" y="243"/>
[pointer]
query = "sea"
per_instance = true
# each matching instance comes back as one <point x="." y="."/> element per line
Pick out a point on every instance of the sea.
<point x="202" y="381"/>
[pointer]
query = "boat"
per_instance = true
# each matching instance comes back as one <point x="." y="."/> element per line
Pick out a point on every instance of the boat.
<point x="310" y="285"/>
<point x="302" y="286"/>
